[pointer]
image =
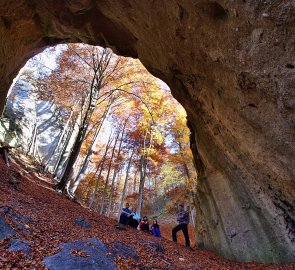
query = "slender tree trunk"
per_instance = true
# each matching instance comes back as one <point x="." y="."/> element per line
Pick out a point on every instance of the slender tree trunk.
<point x="116" y="170"/>
<point x="186" y="170"/>
<point x="35" y="143"/>
<point x="32" y="145"/>
<point x="108" y="175"/>
<point x="143" y="167"/>
<point x="125" y="183"/>
<point x="141" y="183"/>
<point x="60" y="140"/>
<point x="134" y="181"/>
<point x="62" y="158"/>
<point x="4" y="151"/>
<point x="185" y="167"/>
<point x="77" y="146"/>
<point x="116" y="205"/>
<point x="62" y="151"/>
<point x="90" y="152"/>
<point x="112" y="192"/>
<point x="72" y="159"/>
<point x="100" y="168"/>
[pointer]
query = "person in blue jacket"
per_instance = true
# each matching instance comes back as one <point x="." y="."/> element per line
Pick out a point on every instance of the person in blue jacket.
<point x="183" y="221"/>
<point x="134" y="221"/>
<point x="126" y="215"/>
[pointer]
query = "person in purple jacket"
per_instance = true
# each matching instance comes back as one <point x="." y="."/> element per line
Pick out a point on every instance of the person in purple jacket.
<point x="183" y="220"/>
<point x="155" y="228"/>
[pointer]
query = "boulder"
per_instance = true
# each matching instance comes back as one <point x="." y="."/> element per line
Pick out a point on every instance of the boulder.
<point x="81" y="221"/>
<point x="124" y="251"/>
<point x="5" y="229"/>
<point x="90" y="254"/>
<point x="19" y="245"/>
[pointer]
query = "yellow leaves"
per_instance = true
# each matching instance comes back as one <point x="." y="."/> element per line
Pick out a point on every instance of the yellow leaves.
<point x="158" y="136"/>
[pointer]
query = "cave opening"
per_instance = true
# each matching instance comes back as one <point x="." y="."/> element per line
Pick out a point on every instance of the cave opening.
<point x="105" y="129"/>
<point x="229" y="63"/>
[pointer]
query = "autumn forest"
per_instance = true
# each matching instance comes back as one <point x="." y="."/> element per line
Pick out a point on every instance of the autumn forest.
<point x="119" y="134"/>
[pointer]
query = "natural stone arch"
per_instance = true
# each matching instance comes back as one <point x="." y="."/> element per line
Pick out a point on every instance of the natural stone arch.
<point x="229" y="63"/>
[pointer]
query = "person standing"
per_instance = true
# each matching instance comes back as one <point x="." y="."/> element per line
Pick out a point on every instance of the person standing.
<point x="183" y="220"/>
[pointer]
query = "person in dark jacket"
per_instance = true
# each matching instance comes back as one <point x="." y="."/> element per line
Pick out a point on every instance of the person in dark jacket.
<point x="183" y="220"/>
<point x="155" y="228"/>
<point x="144" y="224"/>
<point x="126" y="215"/>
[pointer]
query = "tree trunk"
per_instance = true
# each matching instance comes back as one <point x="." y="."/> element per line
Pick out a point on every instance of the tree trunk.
<point x="108" y="175"/>
<point x="32" y="145"/>
<point x="76" y="147"/>
<point x="125" y="183"/>
<point x="66" y="148"/>
<point x="100" y="168"/>
<point x="134" y="181"/>
<point x="112" y="191"/>
<point x="116" y="169"/>
<point x="90" y="152"/>
<point x="60" y="140"/>
<point x="143" y="166"/>
<point x="141" y="183"/>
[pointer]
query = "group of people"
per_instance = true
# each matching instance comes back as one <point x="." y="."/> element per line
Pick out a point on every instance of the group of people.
<point x="132" y="219"/>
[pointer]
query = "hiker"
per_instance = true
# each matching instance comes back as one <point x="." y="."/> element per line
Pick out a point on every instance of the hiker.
<point x="183" y="220"/>
<point x="144" y="224"/>
<point x="134" y="221"/>
<point x="126" y="215"/>
<point x="155" y="229"/>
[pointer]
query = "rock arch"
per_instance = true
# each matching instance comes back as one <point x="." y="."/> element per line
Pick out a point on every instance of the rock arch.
<point x="231" y="65"/>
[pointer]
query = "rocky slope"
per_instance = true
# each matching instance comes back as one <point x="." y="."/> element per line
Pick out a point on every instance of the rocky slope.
<point x="231" y="65"/>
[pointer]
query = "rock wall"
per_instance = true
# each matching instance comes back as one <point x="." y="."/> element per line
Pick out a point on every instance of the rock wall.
<point x="19" y="118"/>
<point x="23" y="111"/>
<point x="231" y="65"/>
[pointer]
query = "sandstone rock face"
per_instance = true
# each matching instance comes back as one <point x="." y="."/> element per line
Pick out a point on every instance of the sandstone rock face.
<point x="231" y="65"/>
<point x="22" y="113"/>
<point x="20" y="116"/>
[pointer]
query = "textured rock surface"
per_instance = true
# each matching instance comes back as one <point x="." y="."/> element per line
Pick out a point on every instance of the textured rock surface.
<point x="18" y="123"/>
<point x="94" y="256"/>
<point x="20" y="116"/>
<point x="18" y="245"/>
<point x="82" y="222"/>
<point x="5" y="228"/>
<point x="231" y="65"/>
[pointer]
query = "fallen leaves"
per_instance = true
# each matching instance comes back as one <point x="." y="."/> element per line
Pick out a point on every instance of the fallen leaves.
<point x="53" y="223"/>
<point x="79" y="253"/>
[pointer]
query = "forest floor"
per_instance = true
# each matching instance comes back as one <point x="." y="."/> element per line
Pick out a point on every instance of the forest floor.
<point x="42" y="219"/>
